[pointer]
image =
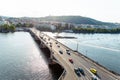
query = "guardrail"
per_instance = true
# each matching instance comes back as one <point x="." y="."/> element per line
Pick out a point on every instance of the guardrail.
<point x="62" y="75"/>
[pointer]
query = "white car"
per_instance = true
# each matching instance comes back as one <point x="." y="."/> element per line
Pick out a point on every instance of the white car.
<point x="94" y="77"/>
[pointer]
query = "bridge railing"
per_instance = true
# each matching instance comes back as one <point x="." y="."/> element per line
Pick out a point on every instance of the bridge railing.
<point x="62" y="75"/>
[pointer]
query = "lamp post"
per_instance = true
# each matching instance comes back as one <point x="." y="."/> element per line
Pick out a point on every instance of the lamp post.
<point x="77" y="46"/>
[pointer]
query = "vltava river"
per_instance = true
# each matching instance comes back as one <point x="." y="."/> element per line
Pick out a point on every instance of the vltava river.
<point x="21" y="59"/>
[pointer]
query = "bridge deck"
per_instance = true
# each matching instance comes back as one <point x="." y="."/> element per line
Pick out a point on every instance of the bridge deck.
<point x="78" y="61"/>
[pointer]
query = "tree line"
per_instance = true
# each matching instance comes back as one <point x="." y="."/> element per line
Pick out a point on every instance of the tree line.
<point x="24" y="25"/>
<point x="95" y="30"/>
<point x="7" y="28"/>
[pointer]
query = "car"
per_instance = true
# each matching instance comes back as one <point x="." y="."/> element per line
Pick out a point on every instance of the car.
<point x="94" y="78"/>
<point x="94" y="71"/>
<point x="60" y="51"/>
<point x="41" y="37"/>
<point x="50" y="45"/>
<point x="58" y="46"/>
<point x="75" y="51"/>
<point x="48" y="39"/>
<point x="44" y="39"/>
<point x="81" y="71"/>
<point x="77" y="72"/>
<point x="50" y="42"/>
<point x="68" y="52"/>
<point x="56" y="43"/>
<point x="71" y="61"/>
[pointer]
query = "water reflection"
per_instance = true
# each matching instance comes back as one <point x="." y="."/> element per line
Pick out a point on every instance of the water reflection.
<point x="20" y="58"/>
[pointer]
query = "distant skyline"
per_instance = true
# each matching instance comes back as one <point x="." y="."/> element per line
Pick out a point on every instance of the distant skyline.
<point x="102" y="10"/>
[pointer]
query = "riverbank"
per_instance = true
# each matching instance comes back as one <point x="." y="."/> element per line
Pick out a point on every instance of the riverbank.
<point x="21" y="29"/>
<point x="96" y="30"/>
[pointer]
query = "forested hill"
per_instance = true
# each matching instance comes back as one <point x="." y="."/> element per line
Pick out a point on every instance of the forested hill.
<point x="75" y="20"/>
<point x="67" y="19"/>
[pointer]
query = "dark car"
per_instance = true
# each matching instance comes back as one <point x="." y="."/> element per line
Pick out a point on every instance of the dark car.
<point x="70" y="60"/>
<point x="48" y="39"/>
<point x="50" y="42"/>
<point x="77" y="72"/>
<point x="81" y="71"/>
<point x="58" y="46"/>
<point x="50" y="45"/>
<point x="67" y="50"/>
<point x="61" y="52"/>
<point x="56" y="42"/>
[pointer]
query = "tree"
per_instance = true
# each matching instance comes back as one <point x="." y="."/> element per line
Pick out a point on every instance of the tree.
<point x="7" y="28"/>
<point x="12" y="27"/>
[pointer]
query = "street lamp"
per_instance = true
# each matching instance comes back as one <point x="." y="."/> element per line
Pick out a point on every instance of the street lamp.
<point x="77" y="46"/>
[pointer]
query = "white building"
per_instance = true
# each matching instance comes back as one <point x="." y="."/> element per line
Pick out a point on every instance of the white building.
<point x="2" y="22"/>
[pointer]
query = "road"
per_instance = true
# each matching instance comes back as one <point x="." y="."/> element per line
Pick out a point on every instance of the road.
<point x="78" y="61"/>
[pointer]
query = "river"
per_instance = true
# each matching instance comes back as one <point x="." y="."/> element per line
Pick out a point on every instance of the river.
<point x="102" y="48"/>
<point x="21" y="59"/>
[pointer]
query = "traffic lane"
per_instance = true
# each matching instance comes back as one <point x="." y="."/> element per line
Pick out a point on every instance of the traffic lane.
<point x="88" y="74"/>
<point x="67" y="57"/>
<point x="70" y="74"/>
<point x="102" y="73"/>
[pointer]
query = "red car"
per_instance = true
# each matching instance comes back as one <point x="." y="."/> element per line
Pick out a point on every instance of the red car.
<point x="70" y="60"/>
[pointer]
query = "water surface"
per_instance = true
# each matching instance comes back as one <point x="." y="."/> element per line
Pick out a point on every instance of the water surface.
<point x="21" y="59"/>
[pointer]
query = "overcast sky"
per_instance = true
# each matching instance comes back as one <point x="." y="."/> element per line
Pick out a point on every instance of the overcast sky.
<point x="103" y="10"/>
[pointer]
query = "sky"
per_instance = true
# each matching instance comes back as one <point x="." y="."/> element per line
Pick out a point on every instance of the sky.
<point x="103" y="10"/>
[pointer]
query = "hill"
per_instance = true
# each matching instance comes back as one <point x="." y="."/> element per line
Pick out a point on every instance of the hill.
<point x="75" y="20"/>
<point x="67" y="19"/>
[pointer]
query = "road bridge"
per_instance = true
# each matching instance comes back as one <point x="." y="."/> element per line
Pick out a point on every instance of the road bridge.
<point x="60" y="56"/>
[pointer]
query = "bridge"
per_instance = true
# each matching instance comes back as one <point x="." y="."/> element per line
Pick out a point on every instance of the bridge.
<point x="59" y="55"/>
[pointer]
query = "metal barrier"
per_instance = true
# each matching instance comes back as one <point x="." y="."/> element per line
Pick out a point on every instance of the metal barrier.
<point x="62" y="75"/>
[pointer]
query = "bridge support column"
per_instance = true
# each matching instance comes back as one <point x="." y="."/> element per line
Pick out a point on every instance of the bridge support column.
<point x="51" y="59"/>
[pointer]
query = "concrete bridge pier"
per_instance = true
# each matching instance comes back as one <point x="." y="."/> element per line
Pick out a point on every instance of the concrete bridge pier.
<point x="52" y="59"/>
<point x="55" y="66"/>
